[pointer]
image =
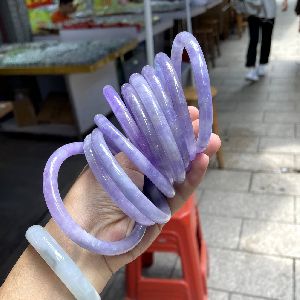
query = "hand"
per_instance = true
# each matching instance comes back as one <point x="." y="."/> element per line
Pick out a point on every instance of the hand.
<point x="284" y="5"/>
<point x="92" y="209"/>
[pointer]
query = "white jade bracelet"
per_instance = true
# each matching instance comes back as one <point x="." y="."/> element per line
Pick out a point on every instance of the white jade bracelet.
<point x="60" y="262"/>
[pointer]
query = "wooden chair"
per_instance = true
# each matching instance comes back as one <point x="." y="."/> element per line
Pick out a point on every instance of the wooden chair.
<point x="192" y="99"/>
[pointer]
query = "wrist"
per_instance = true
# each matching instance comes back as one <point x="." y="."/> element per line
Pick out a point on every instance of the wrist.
<point x="82" y="203"/>
<point x="92" y="265"/>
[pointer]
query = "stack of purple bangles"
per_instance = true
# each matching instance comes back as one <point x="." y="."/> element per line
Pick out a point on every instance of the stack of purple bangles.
<point x="160" y="142"/>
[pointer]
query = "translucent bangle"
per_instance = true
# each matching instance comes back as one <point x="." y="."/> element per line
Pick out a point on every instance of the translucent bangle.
<point x="60" y="262"/>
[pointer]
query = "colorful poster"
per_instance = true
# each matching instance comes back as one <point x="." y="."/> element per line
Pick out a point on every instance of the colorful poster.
<point x="37" y="3"/>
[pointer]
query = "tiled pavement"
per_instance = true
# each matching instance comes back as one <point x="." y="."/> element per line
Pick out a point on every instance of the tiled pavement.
<point x="251" y="210"/>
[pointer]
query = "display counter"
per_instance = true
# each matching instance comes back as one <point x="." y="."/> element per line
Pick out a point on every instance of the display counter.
<point x="87" y="67"/>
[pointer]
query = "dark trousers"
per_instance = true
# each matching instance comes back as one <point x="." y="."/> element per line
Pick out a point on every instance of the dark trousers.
<point x="266" y="26"/>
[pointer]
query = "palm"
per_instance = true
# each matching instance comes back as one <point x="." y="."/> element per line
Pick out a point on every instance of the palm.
<point x="96" y="212"/>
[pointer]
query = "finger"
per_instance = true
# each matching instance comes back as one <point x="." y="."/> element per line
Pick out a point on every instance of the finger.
<point x="194" y="113"/>
<point x="196" y="127"/>
<point x="213" y="145"/>
<point x="193" y="178"/>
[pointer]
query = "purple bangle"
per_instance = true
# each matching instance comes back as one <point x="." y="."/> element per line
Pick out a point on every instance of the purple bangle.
<point x="160" y="142"/>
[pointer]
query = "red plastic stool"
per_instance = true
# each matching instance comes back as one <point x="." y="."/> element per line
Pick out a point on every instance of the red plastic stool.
<point x="181" y="235"/>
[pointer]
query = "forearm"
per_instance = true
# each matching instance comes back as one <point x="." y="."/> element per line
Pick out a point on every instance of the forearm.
<point x="31" y="278"/>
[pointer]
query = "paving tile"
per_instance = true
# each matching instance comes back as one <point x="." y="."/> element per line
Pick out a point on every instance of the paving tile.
<point x="240" y="144"/>
<point x="227" y="71"/>
<point x="284" y="81"/>
<point x="284" y="88"/>
<point x="216" y="81"/>
<point x="271" y="238"/>
<point x="282" y="117"/>
<point x="229" y="89"/>
<point x="226" y="98"/>
<point x="241" y="116"/>
<point x="223" y="130"/>
<point x="279" y="145"/>
<point x="261" y="129"/>
<point x="245" y="273"/>
<point x="223" y="124"/>
<point x="248" y="205"/>
<point x="254" y="96"/>
<point x="163" y="265"/>
<point x="272" y="106"/>
<point x="240" y="82"/>
<point x="220" y="231"/>
<point x="177" y="271"/>
<point x="259" y="87"/>
<point x="280" y="70"/>
<point x="226" y="180"/>
<point x="217" y="295"/>
<point x="287" y="184"/>
<point x="224" y="106"/>
<point x="295" y="96"/>
<point x="258" y="161"/>
<point x="282" y="96"/>
<point x="243" y="297"/>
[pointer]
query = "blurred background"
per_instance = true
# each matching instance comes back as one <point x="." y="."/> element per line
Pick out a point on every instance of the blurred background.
<point x="55" y="58"/>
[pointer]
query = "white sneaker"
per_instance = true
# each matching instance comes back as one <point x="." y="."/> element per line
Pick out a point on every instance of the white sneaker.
<point x="252" y="75"/>
<point x="261" y="70"/>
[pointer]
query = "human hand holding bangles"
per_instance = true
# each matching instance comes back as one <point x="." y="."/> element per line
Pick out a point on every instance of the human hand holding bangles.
<point x="92" y="208"/>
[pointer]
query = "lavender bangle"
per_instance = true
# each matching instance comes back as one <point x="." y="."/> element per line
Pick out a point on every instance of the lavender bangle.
<point x="160" y="142"/>
<point x="60" y="262"/>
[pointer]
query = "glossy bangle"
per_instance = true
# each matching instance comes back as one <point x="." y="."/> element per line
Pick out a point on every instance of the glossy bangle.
<point x="160" y="142"/>
<point x="60" y="262"/>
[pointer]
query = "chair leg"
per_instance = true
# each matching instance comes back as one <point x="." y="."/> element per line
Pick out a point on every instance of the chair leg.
<point x="191" y="265"/>
<point x="215" y="128"/>
<point x="220" y="158"/>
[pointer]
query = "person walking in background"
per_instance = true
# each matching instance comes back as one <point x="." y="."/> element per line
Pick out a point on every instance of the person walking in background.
<point x="261" y="18"/>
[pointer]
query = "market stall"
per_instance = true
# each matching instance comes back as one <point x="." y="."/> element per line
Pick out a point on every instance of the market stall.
<point x="86" y="67"/>
<point x="84" y="52"/>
